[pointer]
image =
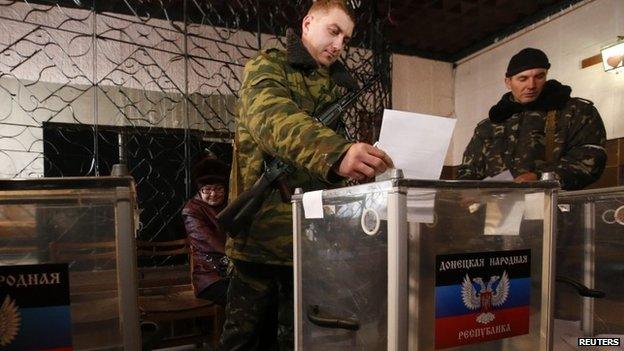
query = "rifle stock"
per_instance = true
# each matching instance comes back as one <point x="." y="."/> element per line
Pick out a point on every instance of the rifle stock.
<point x="235" y="216"/>
<point x="239" y="213"/>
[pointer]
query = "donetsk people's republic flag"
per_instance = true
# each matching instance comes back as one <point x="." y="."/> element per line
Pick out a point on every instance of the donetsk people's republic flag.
<point x="481" y="296"/>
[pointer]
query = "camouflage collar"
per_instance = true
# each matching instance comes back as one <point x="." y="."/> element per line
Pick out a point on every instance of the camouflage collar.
<point x="554" y="97"/>
<point x="296" y="53"/>
<point x="299" y="57"/>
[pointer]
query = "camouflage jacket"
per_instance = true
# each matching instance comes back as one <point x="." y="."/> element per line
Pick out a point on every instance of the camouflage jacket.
<point x="280" y="93"/>
<point x="513" y="138"/>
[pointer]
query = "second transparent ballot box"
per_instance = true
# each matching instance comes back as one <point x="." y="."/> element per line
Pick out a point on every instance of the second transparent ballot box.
<point x="68" y="264"/>
<point x="590" y="265"/>
<point x="425" y="265"/>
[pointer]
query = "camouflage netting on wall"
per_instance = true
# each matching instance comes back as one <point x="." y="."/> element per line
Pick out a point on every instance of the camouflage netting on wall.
<point x="151" y="84"/>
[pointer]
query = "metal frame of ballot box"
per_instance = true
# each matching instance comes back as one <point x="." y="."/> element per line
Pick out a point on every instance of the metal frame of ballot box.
<point x="397" y="292"/>
<point x="87" y="224"/>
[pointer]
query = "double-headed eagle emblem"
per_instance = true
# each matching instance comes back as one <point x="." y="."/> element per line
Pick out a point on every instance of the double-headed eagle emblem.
<point x="9" y="321"/>
<point x="485" y="297"/>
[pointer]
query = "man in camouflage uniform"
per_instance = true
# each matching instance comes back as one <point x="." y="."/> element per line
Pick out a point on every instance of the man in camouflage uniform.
<point x="537" y="127"/>
<point x="280" y="93"/>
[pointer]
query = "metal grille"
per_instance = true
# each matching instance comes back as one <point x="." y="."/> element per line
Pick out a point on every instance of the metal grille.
<point x="151" y="84"/>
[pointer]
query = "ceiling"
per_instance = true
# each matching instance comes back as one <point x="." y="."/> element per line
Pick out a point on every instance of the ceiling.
<point x="449" y="30"/>
<point x="446" y="30"/>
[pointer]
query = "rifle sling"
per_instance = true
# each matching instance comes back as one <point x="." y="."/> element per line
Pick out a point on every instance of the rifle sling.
<point x="549" y="134"/>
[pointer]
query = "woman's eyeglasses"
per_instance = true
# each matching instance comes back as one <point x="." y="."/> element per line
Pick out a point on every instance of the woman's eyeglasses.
<point x="218" y="189"/>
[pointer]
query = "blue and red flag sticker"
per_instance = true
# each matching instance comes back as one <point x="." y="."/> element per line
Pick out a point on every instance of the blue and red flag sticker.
<point x="34" y="308"/>
<point x="481" y="297"/>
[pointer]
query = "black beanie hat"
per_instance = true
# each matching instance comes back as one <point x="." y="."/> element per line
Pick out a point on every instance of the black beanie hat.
<point x="527" y="58"/>
<point x="210" y="170"/>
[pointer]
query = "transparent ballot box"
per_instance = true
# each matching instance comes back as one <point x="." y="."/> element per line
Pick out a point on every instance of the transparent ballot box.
<point x="589" y="300"/>
<point x="68" y="264"/>
<point x="424" y="265"/>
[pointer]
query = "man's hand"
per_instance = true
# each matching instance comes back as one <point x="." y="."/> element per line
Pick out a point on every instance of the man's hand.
<point x="526" y="177"/>
<point x="363" y="161"/>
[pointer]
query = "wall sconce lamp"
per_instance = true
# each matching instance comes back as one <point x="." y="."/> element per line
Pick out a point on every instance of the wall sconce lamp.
<point x="613" y="56"/>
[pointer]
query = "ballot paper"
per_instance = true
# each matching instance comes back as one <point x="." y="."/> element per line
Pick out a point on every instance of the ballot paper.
<point x="534" y="206"/>
<point x="313" y="204"/>
<point x="420" y="204"/>
<point x="504" y="176"/>
<point x="417" y="143"/>
<point x="503" y="214"/>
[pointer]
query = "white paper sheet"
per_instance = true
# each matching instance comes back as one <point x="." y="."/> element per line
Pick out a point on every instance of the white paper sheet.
<point x="504" y="176"/>
<point x="420" y="204"/>
<point x="503" y="215"/>
<point x="313" y="204"/>
<point x="534" y="206"/>
<point x="417" y="143"/>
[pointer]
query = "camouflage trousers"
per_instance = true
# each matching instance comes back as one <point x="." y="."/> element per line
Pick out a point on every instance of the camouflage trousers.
<point x="259" y="310"/>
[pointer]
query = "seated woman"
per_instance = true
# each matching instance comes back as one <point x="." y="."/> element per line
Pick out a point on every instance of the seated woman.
<point x="207" y="243"/>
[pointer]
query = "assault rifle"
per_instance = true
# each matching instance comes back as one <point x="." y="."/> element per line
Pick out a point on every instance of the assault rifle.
<point x="238" y="214"/>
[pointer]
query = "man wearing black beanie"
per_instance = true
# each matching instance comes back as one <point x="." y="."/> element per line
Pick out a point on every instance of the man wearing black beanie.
<point x="526" y="59"/>
<point x="537" y="127"/>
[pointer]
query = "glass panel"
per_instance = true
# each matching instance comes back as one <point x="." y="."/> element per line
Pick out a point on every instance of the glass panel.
<point x="475" y="269"/>
<point x="344" y="270"/>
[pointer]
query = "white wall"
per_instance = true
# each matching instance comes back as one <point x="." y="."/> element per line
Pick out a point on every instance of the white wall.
<point x="567" y="38"/>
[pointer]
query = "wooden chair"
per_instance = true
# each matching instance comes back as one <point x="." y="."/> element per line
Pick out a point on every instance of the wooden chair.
<point x="166" y="297"/>
<point x="93" y="289"/>
<point x="82" y="251"/>
<point x="18" y="221"/>
<point x="162" y="248"/>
